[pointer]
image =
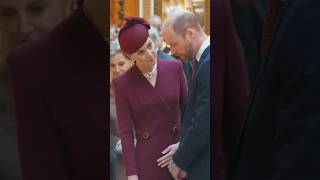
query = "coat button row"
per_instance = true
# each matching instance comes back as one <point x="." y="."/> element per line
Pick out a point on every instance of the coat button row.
<point x="146" y="135"/>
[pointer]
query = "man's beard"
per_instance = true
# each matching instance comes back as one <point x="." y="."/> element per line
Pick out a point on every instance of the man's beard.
<point x="189" y="56"/>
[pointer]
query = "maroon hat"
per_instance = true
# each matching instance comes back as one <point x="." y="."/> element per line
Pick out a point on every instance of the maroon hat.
<point x="133" y="34"/>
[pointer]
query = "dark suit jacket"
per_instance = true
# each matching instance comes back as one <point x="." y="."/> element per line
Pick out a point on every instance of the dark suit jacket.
<point x="248" y="20"/>
<point x="230" y="86"/>
<point x="61" y="103"/>
<point x="193" y="154"/>
<point x="280" y="137"/>
<point x="154" y="112"/>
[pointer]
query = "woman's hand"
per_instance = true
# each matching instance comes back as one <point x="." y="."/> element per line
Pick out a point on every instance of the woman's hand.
<point x="133" y="177"/>
<point x="169" y="152"/>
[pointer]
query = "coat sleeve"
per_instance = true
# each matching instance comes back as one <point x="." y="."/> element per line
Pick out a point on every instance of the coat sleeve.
<point x="197" y="136"/>
<point x="41" y="146"/>
<point x="125" y="121"/>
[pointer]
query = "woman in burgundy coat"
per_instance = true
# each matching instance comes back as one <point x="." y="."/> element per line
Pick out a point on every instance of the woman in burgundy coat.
<point x="59" y="85"/>
<point x="149" y="98"/>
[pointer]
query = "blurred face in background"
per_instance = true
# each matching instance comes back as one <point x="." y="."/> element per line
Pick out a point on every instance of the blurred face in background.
<point x="97" y="10"/>
<point x="26" y="20"/>
<point x="119" y="64"/>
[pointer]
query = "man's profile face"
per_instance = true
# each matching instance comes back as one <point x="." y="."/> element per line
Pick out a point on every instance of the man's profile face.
<point x="179" y="45"/>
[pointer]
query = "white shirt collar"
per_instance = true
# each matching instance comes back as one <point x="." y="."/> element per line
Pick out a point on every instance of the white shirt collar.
<point x="203" y="47"/>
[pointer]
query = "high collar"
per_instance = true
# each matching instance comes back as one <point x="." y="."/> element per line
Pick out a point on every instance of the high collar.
<point x="203" y="47"/>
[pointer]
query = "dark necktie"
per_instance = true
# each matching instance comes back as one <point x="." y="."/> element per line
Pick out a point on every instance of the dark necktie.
<point x="194" y="68"/>
<point x="269" y="26"/>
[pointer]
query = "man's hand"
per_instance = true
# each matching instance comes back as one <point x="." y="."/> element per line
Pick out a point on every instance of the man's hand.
<point x="174" y="170"/>
<point x="169" y="152"/>
<point x="182" y="174"/>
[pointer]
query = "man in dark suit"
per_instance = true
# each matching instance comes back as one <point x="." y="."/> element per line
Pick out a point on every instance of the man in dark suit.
<point x="280" y="137"/>
<point x="60" y="93"/>
<point x="182" y="31"/>
<point x="230" y="87"/>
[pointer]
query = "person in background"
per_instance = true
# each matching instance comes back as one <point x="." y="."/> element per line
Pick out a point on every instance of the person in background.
<point x="155" y="21"/>
<point x="119" y="64"/>
<point x="59" y="86"/>
<point x="149" y="98"/>
<point x="114" y="44"/>
<point x="21" y="21"/>
<point x="157" y="41"/>
<point x="26" y="20"/>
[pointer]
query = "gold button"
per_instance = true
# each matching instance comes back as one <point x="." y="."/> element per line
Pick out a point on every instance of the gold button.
<point x="146" y="136"/>
<point x="175" y="130"/>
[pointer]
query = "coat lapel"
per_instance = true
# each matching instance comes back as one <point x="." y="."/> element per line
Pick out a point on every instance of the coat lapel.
<point x="148" y="89"/>
<point x="275" y="40"/>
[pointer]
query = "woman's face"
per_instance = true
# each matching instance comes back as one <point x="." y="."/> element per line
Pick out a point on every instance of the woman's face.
<point x="119" y="64"/>
<point x="27" y="20"/>
<point x="146" y="56"/>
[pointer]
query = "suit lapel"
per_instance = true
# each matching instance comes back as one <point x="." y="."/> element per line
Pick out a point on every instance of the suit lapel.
<point x="275" y="39"/>
<point x="203" y="56"/>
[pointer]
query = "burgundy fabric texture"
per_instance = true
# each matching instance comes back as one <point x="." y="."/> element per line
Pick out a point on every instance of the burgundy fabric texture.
<point x="133" y="34"/>
<point x="61" y="100"/>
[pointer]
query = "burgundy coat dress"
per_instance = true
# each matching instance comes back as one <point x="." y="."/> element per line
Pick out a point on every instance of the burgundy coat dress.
<point x="153" y="112"/>
<point x="61" y="103"/>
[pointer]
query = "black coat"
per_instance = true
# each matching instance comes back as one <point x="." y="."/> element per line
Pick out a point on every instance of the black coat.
<point x="280" y="137"/>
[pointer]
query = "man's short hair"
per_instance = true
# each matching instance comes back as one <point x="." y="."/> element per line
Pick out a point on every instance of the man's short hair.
<point x="181" y="20"/>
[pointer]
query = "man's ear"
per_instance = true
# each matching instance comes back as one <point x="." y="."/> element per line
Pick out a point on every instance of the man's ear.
<point x="189" y="34"/>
